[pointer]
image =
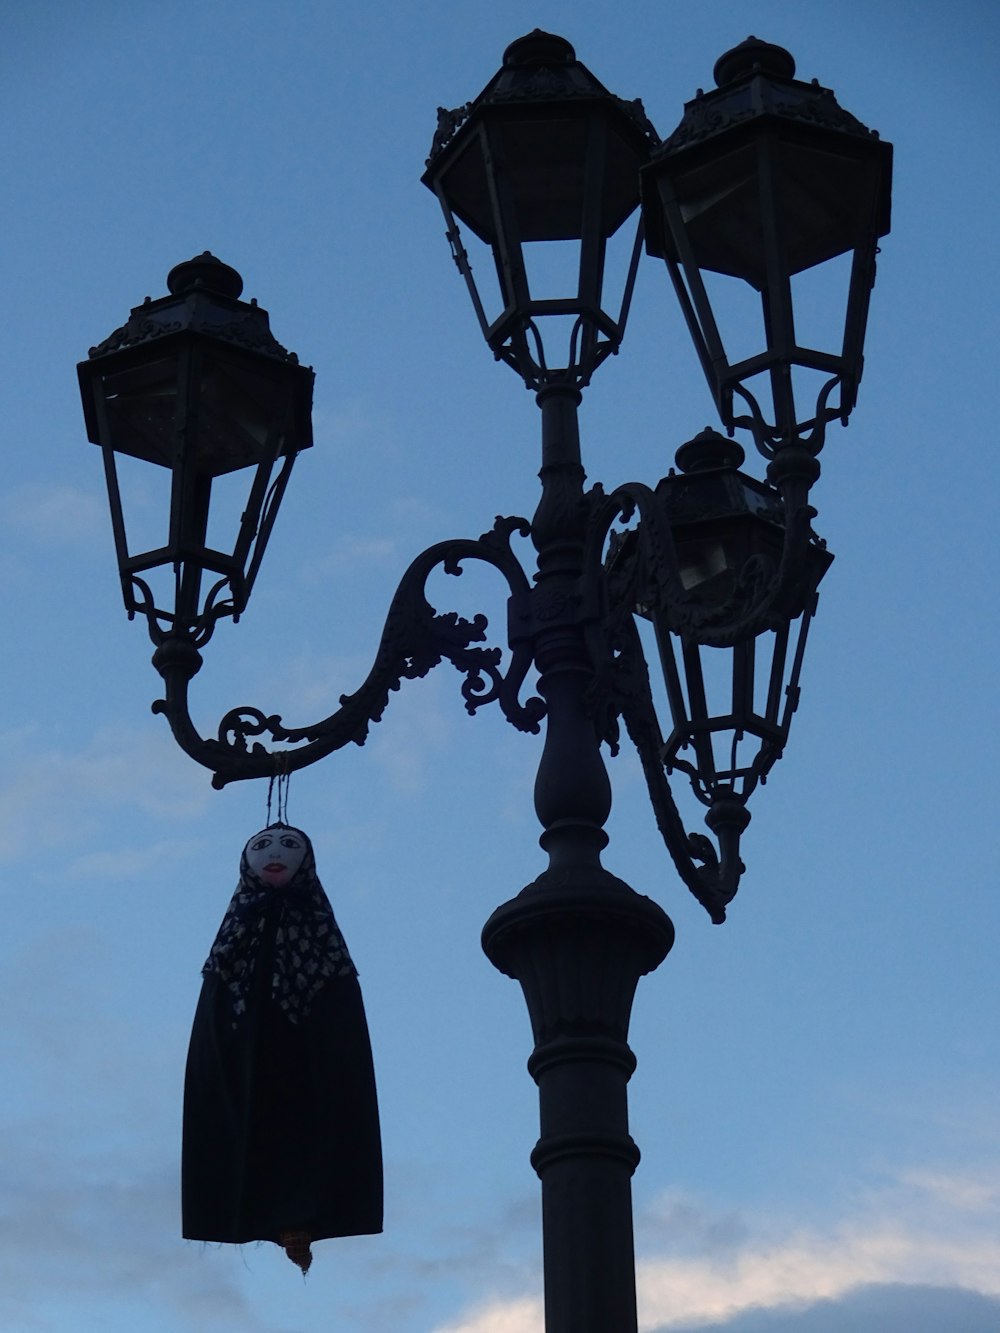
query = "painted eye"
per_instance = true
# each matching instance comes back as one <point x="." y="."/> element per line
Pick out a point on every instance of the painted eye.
<point x="290" y="842"/>
<point x="260" y="844"/>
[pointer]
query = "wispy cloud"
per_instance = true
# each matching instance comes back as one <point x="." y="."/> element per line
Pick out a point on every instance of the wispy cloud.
<point x="54" y="795"/>
<point x="421" y="727"/>
<point x="963" y="1192"/>
<point x="928" y="1227"/>
<point x="806" y="1267"/>
<point x="405" y="524"/>
<point x="518" y="1316"/>
<point x="57" y="514"/>
<point x="79" y="1239"/>
<point x="349" y="425"/>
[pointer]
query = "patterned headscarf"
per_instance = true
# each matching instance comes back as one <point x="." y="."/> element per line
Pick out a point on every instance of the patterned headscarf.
<point x="309" y="949"/>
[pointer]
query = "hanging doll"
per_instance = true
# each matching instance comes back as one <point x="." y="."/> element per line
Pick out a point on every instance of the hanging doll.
<point x="281" y="1132"/>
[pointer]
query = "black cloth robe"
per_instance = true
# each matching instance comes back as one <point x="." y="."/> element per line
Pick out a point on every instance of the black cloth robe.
<point x="281" y="1127"/>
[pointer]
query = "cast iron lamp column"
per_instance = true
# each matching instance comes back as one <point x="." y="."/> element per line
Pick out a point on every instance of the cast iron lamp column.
<point x="764" y="178"/>
<point x="546" y="155"/>
<point x="577" y="939"/>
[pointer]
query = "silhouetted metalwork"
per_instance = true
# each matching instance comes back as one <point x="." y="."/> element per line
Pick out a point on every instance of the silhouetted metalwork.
<point x="764" y="178"/>
<point x="544" y="153"/>
<point x="196" y="382"/>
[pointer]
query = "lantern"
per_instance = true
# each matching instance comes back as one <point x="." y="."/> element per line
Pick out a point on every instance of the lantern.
<point x="544" y="154"/>
<point x="731" y="630"/>
<point x="196" y="383"/>
<point x="767" y="177"/>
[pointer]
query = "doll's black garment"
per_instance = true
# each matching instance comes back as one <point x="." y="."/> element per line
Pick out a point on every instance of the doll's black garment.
<point x="281" y="1126"/>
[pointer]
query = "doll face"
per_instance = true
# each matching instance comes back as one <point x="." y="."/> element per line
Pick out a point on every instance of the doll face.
<point x="275" y="854"/>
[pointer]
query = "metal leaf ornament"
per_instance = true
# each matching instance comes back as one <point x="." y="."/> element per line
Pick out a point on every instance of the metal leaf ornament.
<point x="281" y="1131"/>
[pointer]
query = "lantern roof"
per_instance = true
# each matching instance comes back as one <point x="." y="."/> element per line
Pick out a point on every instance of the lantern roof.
<point x="540" y="67"/>
<point x="709" y="500"/>
<point x="204" y="299"/>
<point x="757" y="91"/>
<point x="755" y="79"/>
<point x="709" y="485"/>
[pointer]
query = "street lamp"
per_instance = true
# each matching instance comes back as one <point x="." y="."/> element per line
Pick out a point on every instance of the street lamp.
<point x="765" y="177"/>
<point x="196" y="383"/>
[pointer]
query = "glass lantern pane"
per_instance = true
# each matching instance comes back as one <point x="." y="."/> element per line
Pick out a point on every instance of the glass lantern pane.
<point x="720" y="206"/>
<point x="738" y="314"/>
<point x="701" y="563"/>
<point x="141" y="406"/>
<point x="145" y="502"/>
<point x="825" y="201"/>
<point x="820" y="296"/>
<point x="230" y="498"/>
<point x="552" y="269"/>
<point x="543" y="165"/>
<point x="238" y="407"/>
<point x="466" y="188"/>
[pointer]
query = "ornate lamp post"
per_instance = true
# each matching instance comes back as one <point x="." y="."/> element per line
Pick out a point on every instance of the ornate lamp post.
<point x="764" y="178"/>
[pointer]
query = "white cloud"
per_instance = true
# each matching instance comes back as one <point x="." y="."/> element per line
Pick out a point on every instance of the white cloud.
<point x="349" y="425"/>
<point x="809" y="1266"/>
<point x="421" y="725"/>
<point x="132" y="863"/>
<point x="971" y="1193"/>
<point x="519" y="1316"/>
<point x="928" y="1227"/>
<point x="58" y="515"/>
<point x="55" y="796"/>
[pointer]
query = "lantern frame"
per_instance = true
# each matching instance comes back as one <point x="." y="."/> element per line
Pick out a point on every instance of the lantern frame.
<point x="765" y="177"/>
<point x="713" y="567"/>
<point x="195" y="382"/>
<point x="544" y="153"/>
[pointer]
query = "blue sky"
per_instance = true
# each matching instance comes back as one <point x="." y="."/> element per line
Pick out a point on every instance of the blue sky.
<point x="817" y="1092"/>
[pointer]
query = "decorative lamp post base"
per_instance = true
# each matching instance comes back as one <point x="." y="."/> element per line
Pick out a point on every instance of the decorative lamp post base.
<point x="578" y="940"/>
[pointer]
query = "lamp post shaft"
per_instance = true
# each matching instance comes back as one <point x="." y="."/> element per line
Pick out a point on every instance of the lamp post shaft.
<point x="577" y="939"/>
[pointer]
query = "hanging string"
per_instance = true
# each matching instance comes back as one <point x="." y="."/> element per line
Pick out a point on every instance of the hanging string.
<point x="277" y="791"/>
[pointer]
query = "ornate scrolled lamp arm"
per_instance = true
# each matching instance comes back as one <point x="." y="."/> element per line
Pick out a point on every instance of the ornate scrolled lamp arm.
<point x="196" y="383"/>
<point x="415" y="639"/>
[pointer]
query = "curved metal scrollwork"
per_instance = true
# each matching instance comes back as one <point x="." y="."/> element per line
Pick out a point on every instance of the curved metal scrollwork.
<point x="809" y="434"/>
<point x="655" y="579"/>
<point x="622" y="687"/>
<point x="414" y="640"/>
<point x="642" y="576"/>
<point x="713" y="879"/>
<point x="139" y="599"/>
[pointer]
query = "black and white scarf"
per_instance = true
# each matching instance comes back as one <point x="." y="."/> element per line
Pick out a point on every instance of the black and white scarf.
<point x="309" y="949"/>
